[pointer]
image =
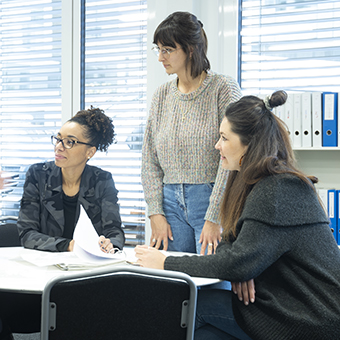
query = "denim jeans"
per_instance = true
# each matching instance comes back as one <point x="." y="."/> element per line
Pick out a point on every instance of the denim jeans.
<point x="215" y="318"/>
<point x="185" y="206"/>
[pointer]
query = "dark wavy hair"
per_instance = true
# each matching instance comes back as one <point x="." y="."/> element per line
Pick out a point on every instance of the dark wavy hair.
<point x="98" y="127"/>
<point x="269" y="152"/>
<point x="186" y="30"/>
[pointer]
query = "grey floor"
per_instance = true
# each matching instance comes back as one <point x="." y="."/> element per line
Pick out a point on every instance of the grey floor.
<point x="32" y="336"/>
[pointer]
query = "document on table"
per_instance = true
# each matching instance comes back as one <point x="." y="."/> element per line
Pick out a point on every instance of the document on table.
<point x="86" y="251"/>
<point x="86" y="242"/>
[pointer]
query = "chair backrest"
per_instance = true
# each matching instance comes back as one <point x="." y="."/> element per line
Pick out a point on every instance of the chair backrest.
<point x="9" y="236"/>
<point x="120" y="303"/>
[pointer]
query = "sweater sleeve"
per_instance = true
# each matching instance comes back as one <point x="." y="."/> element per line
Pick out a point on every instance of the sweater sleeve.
<point x="276" y="213"/>
<point x="152" y="173"/>
<point x="255" y="249"/>
<point x="229" y="92"/>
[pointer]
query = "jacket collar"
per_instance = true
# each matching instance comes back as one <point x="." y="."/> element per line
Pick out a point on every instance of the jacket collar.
<point x="54" y="181"/>
<point x="53" y="193"/>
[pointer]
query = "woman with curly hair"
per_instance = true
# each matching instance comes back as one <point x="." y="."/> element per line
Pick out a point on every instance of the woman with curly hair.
<point x="50" y="206"/>
<point x="54" y="191"/>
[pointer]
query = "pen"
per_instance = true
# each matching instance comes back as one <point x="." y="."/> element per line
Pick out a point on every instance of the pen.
<point x="133" y="263"/>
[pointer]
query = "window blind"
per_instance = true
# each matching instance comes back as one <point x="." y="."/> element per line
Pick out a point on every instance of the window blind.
<point x="289" y="44"/>
<point x="115" y="81"/>
<point x="30" y="88"/>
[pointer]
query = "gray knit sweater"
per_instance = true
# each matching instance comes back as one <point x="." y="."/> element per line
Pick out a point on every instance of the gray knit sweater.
<point x="181" y="133"/>
<point x="284" y="242"/>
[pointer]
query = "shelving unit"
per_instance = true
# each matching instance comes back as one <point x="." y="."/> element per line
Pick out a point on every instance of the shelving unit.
<point x="323" y="163"/>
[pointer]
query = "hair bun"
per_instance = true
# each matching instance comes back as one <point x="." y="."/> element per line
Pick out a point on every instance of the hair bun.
<point x="200" y="22"/>
<point x="278" y="98"/>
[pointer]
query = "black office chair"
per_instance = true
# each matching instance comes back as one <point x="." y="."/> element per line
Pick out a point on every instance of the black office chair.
<point x="124" y="303"/>
<point x="9" y="236"/>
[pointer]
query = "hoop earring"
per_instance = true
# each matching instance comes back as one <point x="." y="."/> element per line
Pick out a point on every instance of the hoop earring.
<point x="240" y="162"/>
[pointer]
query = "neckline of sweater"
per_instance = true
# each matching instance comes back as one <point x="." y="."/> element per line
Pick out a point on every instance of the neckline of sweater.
<point x="194" y="94"/>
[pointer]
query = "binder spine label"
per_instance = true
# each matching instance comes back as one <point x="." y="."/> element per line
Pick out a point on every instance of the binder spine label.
<point x="329" y="107"/>
<point x="331" y="205"/>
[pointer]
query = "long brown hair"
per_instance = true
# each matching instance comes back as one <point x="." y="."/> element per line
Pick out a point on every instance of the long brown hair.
<point x="269" y="152"/>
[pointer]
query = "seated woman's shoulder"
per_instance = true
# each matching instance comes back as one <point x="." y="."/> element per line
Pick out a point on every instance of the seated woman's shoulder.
<point x="283" y="178"/>
<point x="283" y="183"/>
<point x="99" y="173"/>
<point x="42" y="166"/>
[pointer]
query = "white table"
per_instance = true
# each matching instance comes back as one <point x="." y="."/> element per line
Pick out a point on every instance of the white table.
<point x="20" y="276"/>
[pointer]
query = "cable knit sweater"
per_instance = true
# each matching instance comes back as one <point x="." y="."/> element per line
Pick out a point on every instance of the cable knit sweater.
<point x="284" y="242"/>
<point x="180" y="136"/>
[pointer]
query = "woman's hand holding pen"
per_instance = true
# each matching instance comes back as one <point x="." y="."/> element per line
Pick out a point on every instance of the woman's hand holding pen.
<point x="105" y="244"/>
<point x="210" y="236"/>
<point x="149" y="257"/>
<point x="161" y="231"/>
<point x="70" y="246"/>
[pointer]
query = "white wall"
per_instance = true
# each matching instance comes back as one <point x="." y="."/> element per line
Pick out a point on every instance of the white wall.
<point x="220" y="22"/>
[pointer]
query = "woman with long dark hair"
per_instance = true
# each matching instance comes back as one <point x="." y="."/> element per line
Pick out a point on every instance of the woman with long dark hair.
<point x="275" y="231"/>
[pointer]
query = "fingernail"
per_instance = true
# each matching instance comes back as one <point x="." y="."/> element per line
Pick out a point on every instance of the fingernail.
<point x="240" y="298"/>
<point x="246" y="303"/>
<point x="252" y="300"/>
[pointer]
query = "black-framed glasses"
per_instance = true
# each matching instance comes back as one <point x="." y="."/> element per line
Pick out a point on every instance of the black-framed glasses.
<point x="67" y="143"/>
<point x="164" y="51"/>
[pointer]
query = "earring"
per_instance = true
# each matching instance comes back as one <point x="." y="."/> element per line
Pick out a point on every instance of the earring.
<point x="240" y="162"/>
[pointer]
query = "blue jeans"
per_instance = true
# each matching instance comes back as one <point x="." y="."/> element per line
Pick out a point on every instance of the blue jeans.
<point x="185" y="206"/>
<point x="215" y="318"/>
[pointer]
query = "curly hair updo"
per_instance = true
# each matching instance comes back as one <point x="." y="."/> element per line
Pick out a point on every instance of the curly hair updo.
<point x="98" y="127"/>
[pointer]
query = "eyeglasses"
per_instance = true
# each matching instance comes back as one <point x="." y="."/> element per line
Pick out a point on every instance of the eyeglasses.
<point x="66" y="142"/>
<point x="164" y="51"/>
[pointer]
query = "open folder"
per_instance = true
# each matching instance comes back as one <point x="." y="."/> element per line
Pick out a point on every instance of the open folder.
<point x="86" y="251"/>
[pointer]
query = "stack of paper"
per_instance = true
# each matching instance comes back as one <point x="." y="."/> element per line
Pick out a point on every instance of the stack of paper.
<point x="86" y="251"/>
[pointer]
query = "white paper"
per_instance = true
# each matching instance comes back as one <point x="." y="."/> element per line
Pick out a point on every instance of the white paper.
<point x="85" y="236"/>
<point x="86" y="240"/>
<point x="87" y="257"/>
<point x="47" y="258"/>
<point x="86" y="251"/>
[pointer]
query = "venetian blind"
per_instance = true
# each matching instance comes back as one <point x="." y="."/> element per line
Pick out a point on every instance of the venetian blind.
<point x="115" y="81"/>
<point x="290" y="44"/>
<point x="30" y="88"/>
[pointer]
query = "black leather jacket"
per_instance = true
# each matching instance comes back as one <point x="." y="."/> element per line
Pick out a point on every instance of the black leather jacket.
<point x="41" y="216"/>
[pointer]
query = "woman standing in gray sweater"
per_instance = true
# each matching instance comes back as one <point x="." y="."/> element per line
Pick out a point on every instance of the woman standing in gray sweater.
<point x="275" y="231"/>
<point x="181" y="176"/>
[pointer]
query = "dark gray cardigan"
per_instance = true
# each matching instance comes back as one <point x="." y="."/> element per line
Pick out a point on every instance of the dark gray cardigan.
<point x="284" y="242"/>
<point x="41" y="216"/>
